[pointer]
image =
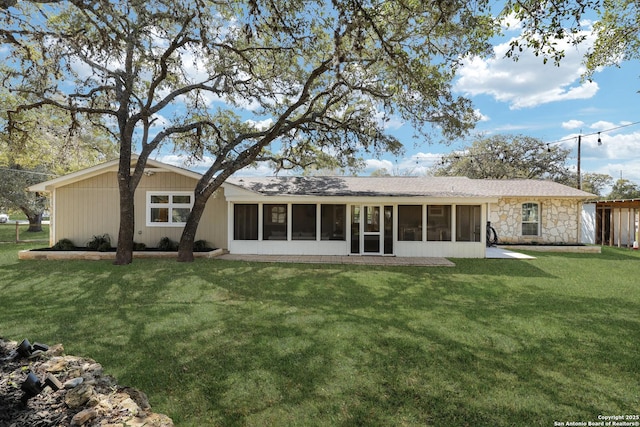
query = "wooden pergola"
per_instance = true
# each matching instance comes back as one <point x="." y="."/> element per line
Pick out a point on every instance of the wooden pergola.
<point x="617" y="222"/>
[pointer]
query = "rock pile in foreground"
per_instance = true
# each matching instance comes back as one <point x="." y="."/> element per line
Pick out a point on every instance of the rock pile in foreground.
<point x="40" y="386"/>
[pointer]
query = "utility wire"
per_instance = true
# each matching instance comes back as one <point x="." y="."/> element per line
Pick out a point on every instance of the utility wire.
<point x="594" y="133"/>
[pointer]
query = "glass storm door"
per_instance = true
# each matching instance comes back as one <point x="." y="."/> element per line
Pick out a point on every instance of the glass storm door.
<point x="371" y="230"/>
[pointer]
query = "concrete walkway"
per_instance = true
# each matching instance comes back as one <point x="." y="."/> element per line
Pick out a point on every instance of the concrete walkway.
<point x="502" y="253"/>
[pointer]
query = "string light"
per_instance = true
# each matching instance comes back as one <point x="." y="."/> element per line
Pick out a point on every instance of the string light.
<point x="443" y="161"/>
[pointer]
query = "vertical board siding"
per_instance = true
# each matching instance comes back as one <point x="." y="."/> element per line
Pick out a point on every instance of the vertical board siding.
<point x="91" y="207"/>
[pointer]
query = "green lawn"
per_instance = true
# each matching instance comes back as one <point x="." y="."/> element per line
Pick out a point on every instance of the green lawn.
<point x="8" y="233"/>
<point x="487" y="343"/>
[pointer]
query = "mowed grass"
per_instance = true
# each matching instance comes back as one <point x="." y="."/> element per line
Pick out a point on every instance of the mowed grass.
<point x="8" y="233"/>
<point x="221" y="343"/>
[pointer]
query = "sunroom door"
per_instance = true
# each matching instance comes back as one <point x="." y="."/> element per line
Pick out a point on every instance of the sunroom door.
<point x="371" y="230"/>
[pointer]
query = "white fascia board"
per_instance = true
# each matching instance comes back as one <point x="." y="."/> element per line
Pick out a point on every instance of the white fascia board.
<point x="111" y="166"/>
<point x="251" y="197"/>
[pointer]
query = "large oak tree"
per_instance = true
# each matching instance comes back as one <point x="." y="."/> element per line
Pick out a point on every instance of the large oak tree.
<point x="291" y="81"/>
<point x="506" y="157"/>
<point x="39" y="145"/>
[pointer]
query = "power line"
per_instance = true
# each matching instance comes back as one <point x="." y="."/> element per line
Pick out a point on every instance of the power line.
<point x="594" y="133"/>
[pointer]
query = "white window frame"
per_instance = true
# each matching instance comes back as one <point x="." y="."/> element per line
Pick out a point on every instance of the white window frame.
<point x="170" y="206"/>
<point x="522" y="221"/>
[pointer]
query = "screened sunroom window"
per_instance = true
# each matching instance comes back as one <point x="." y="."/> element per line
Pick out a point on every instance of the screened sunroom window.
<point x="410" y="222"/>
<point x="245" y="222"/>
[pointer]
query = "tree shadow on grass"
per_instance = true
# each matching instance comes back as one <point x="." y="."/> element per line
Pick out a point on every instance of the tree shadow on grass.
<point x="229" y="343"/>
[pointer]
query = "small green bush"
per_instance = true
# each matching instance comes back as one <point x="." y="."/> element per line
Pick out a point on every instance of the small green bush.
<point x="64" y="245"/>
<point x="100" y="243"/>
<point x="139" y="246"/>
<point x="200" y="246"/>
<point x="166" y="244"/>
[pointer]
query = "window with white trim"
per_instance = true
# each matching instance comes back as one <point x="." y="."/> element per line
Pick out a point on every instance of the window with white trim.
<point x="530" y="219"/>
<point x="168" y="209"/>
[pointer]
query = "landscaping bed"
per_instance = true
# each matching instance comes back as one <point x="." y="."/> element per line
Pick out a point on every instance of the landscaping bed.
<point x="555" y="247"/>
<point x="81" y="253"/>
<point x="99" y="248"/>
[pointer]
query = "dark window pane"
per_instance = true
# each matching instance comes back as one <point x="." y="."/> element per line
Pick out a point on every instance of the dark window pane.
<point x="409" y="223"/>
<point x="332" y="219"/>
<point x="439" y="223"/>
<point x="245" y="222"/>
<point x="468" y="223"/>
<point x="303" y="222"/>
<point x="274" y="225"/>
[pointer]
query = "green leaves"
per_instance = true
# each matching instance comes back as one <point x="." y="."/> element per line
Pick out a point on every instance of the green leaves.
<point x="506" y="157"/>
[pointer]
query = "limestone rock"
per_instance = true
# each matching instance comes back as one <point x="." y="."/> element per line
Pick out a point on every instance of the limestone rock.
<point x="83" y="416"/>
<point x="78" y="396"/>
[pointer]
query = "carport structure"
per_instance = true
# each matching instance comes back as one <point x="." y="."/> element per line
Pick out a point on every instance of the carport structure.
<point x="617" y="222"/>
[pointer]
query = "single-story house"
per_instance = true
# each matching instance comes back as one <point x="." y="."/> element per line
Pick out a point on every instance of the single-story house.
<point x="399" y="216"/>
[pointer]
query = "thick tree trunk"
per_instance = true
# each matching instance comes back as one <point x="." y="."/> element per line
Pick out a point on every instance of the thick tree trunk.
<point x="124" y="251"/>
<point x="185" y="248"/>
<point x="35" y="223"/>
<point x="35" y="220"/>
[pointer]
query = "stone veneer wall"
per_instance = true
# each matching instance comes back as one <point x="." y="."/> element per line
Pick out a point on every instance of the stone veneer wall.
<point x="559" y="220"/>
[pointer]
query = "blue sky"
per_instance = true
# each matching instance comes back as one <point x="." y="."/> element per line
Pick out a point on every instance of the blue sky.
<point x="540" y="100"/>
<point x="553" y="104"/>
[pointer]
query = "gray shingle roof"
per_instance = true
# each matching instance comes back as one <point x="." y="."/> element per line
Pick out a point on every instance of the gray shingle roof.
<point x="406" y="187"/>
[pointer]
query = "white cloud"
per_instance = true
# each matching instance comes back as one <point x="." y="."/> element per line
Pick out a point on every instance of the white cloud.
<point x="621" y="146"/>
<point x="511" y="23"/>
<point x="627" y="170"/>
<point x="573" y="124"/>
<point x="262" y="124"/>
<point x="602" y="125"/>
<point x="527" y="82"/>
<point x="377" y="164"/>
<point x="481" y="117"/>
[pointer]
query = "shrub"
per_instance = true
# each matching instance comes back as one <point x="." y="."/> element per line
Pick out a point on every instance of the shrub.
<point x="139" y="246"/>
<point x="166" y="244"/>
<point x="100" y="243"/>
<point x="64" y="245"/>
<point x="200" y="246"/>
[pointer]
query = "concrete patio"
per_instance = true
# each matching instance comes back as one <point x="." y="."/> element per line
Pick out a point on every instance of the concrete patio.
<point x="368" y="260"/>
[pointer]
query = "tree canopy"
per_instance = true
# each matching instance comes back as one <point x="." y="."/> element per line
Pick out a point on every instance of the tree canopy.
<point x="294" y="82"/>
<point x="290" y="81"/>
<point x="38" y="146"/>
<point x="616" y="25"/>
<point x="624" y="189"/>
<point x="506" y="157"/>
<point x="594" y="183"/>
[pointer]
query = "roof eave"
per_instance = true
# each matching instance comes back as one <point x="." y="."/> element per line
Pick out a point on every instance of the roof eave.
<point x="111" y="166"/>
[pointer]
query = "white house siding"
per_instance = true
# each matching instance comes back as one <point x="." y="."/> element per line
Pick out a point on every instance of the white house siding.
<point x="85" y="209"/>
<point x="588" y="224"/>
<point x="559" y="220"/>
<point x="212" y="226"/>
<point x="441" y="249"/>
<point x="90" y="207"/>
